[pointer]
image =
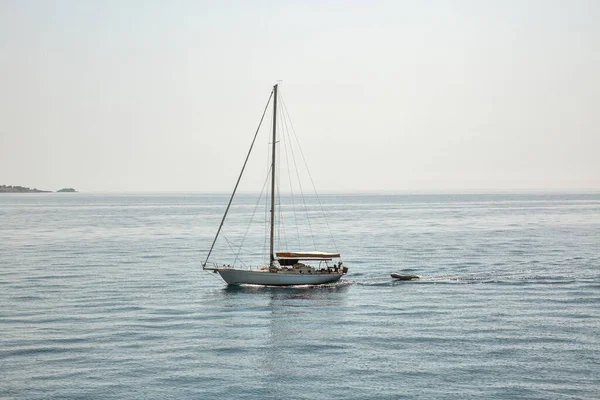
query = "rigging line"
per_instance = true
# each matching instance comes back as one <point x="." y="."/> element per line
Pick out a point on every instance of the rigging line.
<point x="309" y="175"/>
<point x="282" y="236"/>
<point x="267" y="222"/>
<point x="238" y="181"/>
<point x="298" y="173"/>
<point x="277" y="199"/>
<point x="267" y="196"/>
<point x="286" y="140"/>
<point x="231" y="245"/>
<point x="278" y="187"/>
<point x="250" y="223"/>
<point x="266" y="227"/>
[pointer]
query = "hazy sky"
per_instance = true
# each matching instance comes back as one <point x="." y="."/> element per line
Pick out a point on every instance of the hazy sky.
<point x="396" y="96"/>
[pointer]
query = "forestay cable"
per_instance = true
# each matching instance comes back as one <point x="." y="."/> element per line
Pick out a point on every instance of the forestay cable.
<point x="238" y="181"/>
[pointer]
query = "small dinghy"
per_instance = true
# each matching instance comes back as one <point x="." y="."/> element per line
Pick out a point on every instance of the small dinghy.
<point x="405" y="277"/>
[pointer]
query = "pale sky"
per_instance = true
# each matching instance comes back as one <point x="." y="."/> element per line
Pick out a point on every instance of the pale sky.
<point x="397" y="96"/>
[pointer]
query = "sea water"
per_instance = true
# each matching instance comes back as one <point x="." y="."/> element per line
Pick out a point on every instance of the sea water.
<point x="104" y="297"/>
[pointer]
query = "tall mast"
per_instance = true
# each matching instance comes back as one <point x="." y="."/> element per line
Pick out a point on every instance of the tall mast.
<point x="273" y="174"/>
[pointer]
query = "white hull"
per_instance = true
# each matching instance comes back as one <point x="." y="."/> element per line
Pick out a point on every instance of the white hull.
<point x="257" y="277"/>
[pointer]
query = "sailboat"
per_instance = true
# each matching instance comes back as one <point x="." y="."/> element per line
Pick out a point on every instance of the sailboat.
<point x="285" y="268"/>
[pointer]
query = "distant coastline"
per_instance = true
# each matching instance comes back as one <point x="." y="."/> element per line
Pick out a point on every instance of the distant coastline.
<point x="25" y="189"/>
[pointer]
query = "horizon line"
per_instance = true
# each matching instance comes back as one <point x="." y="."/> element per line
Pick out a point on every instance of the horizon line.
<point x="360" y="191"/>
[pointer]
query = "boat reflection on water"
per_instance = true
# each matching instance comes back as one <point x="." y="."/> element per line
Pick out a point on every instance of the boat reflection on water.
<point x="302" y="292"/>
<point x="279" y="330"/>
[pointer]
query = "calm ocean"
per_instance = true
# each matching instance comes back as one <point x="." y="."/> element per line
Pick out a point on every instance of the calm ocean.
<point x="104" y="297"/>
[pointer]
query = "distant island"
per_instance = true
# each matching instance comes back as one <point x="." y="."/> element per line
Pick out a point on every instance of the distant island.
<point x="24" y="189"/>
<point x="20" y="189"/>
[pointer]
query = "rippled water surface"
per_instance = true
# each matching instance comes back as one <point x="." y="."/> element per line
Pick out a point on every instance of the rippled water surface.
<point x="103" y="297"/>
